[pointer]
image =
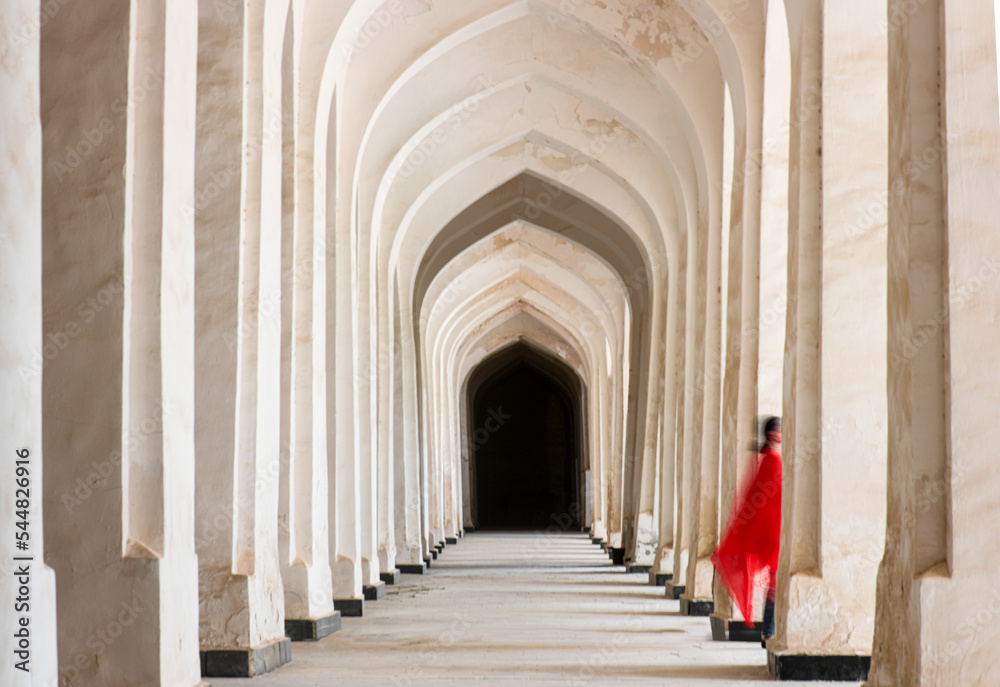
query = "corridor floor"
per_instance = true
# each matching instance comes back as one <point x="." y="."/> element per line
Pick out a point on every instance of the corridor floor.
<point x="521" y="609"/>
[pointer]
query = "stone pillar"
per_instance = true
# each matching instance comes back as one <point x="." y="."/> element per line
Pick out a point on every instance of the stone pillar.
<point x="118" y="272"/>
<point x="408" y="475"/>
<point x="348" y="579"/>
<point x="643" y="545"/>
<point x="369" y="368"/>
<point x="23" y="350"/>
<point x="661" y="573"/>
<point x="690" y="429"/>
<point x="702" y="523"/>
<point x="771" y="164"/>
<point x="938" y="592"/>
<point x="748" y="237"/>
<point x="389" y="437"/>
<point x="304" y="503"/>
<point x="237" y="355"/>
<point x="835" y="413"/>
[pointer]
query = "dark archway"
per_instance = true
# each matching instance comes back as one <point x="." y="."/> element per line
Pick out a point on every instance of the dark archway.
<point x="525" y="440"/>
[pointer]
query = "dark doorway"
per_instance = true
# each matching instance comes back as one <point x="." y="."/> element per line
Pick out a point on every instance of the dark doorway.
<point x="525" y="446"/>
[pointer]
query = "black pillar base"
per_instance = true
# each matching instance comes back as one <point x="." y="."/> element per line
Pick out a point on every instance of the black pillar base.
<point x="374" y="592"/>
<point x="815" y="668"/>
<point x="413" y="568"/>
<point x="350" y="608"/>
<point x="433" y="554"/>
<point x="633" y="568"/>
<point x="439" y="547"/>
<point x="391" y="577"/>
<point x="451" y="540"/>
<point x="617" y="556"/>
<point x="246" y="662"/>
<point x="697" y="607"/>
<point x="725" y="629"/>
<point x="741" y="631"/>
<point x="660" y="579"/>
<point x="470" y="528"/>
<point x="599" y="542"/>
<point x="310" y="630"/>
<point x="674" y="591"/>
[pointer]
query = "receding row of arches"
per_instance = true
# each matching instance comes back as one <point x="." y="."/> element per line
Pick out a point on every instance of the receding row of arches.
<point x="290" y="264"/>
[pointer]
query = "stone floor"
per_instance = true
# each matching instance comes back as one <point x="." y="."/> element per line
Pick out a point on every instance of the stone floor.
<point x="521" y="609"/>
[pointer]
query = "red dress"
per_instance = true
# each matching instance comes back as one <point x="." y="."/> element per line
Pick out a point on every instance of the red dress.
<point x="747" y="554"/>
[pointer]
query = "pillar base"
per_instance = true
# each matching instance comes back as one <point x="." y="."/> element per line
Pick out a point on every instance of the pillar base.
<point x="310" y="630"/>
<point x="350" y="608"/>
<point x="660" y="579"/>
<point x="634" y="568"/>
<point x="725" y="629"/>
<point x="719" y="625"/>
<point x="470" y="528"/>
<point x="674" y="592"/>
<point x="815" y="668"/>
<point x="413" y="568"/>
<point x="374" y="592"/>
<point x="439" y="547"/>
<point x="697" y="607"/>
<point x="246" y="662"/>
<point x="617" y="556"/>
<point x="428" y="559"/>
<point x="451" y="540"/>
<point x="434" y="555"/>
<point x="599" y="542"/>
<point x="391" y="577"/>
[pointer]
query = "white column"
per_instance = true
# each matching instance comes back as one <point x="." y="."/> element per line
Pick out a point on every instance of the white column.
<point x="29" y="659"/>
<point x="346" y="560"/>
<point x="237" y="357"/>
<point x="672" y="409"/>
<point x="305" y="502"/>
<point x="118" y="250"/>
<point x="937" y="588"/>
<point x="835" y="411"/>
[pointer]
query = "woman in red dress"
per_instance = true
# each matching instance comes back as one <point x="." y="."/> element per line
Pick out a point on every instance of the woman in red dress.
<point x="747" y="555"/>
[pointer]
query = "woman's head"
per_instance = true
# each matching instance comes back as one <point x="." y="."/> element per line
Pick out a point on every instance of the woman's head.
<point x="772" y="431"/>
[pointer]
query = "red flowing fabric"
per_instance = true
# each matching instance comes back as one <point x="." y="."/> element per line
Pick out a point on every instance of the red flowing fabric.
<point x="749" y="546"/>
